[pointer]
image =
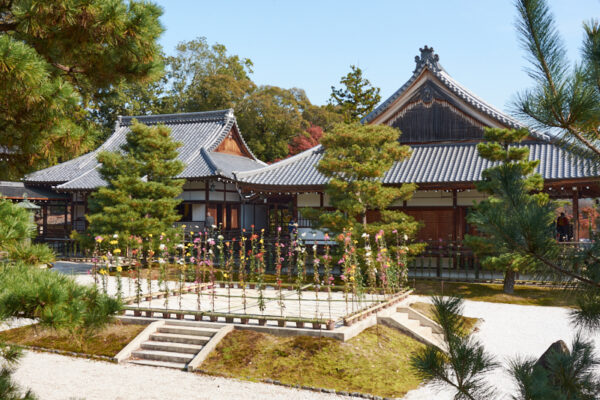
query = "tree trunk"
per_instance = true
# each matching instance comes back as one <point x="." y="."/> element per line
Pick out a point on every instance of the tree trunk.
<point x="509" y="281"/>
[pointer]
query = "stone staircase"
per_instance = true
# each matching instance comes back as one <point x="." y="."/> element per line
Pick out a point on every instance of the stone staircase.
<point x="175" y="343"/>
<point x="416" y="325"/>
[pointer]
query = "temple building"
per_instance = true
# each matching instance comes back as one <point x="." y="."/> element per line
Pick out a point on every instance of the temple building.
<point x="439" y="119"/>
<point x="442" y="122"/>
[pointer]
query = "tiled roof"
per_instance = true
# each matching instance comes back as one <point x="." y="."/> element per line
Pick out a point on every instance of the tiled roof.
<point x="218" y="164"/>
<point x="197" y="132"/>
<point x="298" y="170"/>
<point x="429" y="163"/>
<point x="16" y="190"/>
<point x="430" y="61"/>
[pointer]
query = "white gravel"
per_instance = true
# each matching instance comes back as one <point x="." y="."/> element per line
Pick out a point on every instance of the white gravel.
<point x="54" y="377"/>
<point x="507" y="331"/>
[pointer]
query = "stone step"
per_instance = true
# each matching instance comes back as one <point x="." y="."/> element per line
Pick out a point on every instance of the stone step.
<point x="187" y="330"/>
<point x="175" y="338"/>
<point x="197" y="324"/>
<point x="167" y="356"/>
<point x="154" y="363"/>
<point x="411" y="323"/>
<point x="171" y="347"/>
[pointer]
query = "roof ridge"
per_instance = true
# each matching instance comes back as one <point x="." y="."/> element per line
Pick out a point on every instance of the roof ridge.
<point x="283" y="162"/>
<point x="97" y="166"/>
<point x="177" y="117"/>
<point x="211" y="163"/>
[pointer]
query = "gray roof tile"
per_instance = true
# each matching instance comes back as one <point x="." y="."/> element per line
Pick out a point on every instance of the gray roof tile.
<point x="197" y="132"/>
<point x="429" y="163"/>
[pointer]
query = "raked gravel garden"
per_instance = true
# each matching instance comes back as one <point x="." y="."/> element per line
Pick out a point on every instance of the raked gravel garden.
<point x="507" y="330"/>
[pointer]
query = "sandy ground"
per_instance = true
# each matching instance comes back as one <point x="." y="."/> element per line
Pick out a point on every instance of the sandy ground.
<point x="509" y="331"/>
<point x="54" y="377"/>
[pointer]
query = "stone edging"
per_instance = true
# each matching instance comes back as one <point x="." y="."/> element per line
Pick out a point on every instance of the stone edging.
<point x="300" y="387"/>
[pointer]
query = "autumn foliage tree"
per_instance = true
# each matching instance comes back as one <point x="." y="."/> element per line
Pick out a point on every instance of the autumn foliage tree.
<point x="306" y="140"/>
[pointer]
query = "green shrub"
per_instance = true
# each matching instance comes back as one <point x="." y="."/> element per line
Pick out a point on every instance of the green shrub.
<point x="55" y="300"/>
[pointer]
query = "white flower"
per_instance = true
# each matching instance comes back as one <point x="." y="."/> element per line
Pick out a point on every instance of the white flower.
<point x="115" y="236"/>
<point x="180" y="246"/>
<point x="214" y="226"/>
<point x="314" y="246"/>
<point x="405" y="236"/>
<point x="210" y="251"/>
<point x="220" y="237"/>
<point x="161" y="261"/>
<point x="162" y="246"/>
<point x="303" y="234"/>
<point x="365" y="234"/>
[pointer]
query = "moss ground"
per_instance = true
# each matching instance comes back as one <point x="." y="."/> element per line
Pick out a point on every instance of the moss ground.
<point x="376" y="361"/>
<point x="107" y="342"/>
<point x="524" y="295"/>
<point x="427" y="310"/>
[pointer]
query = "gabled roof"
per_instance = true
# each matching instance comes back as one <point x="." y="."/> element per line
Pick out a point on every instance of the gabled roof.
<point x="428" y="62"/>
<point x="431" y="162"/>
<point x="199" y="133"/>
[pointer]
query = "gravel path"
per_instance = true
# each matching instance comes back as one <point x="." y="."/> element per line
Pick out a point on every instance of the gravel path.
<point x="507" y="331"/>
<point x="54" y="377"/>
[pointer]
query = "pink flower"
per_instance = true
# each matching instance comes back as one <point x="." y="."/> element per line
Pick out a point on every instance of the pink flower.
<point x="278" y="229"/>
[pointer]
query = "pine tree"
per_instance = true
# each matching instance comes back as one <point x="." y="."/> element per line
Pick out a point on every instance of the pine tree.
<point x="141" y="194"/>
<point x="55" y="57"/>
<point x="357" y="98"/>
<point x="16" y="231"/>
<point x="564" y="98"/>
<point x="507" y="184"/>
<point x="356" y="157"/>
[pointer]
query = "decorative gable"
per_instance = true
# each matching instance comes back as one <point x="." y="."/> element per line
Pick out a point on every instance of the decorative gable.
<point x="432" y="107"/>
<point x="233" y="144"/>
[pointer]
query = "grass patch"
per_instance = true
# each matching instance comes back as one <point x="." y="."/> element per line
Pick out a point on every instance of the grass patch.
<point x="107" y="342"/>
<point x="376" y="361"/>
<point x="524" y="295"/>
<point x="427" y="310"/>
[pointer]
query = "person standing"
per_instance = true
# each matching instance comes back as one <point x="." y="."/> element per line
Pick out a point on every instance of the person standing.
<point x="562" y="227"/>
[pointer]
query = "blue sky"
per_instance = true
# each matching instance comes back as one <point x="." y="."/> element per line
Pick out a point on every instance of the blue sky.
<point x="311" y="44"/>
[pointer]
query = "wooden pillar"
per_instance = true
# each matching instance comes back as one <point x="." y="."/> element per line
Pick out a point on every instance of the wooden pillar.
<point x="206" y="196"/>
<point x="66" y="233"/>
<point x="73" y="198"/>
<point x="575" y="204"/>
<point x="45" y="219"/>
<point x="454" y="215"/>
<point x="321" y="200"/>
<point x="295" y="213"/>
<point x="85" y="211"/>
